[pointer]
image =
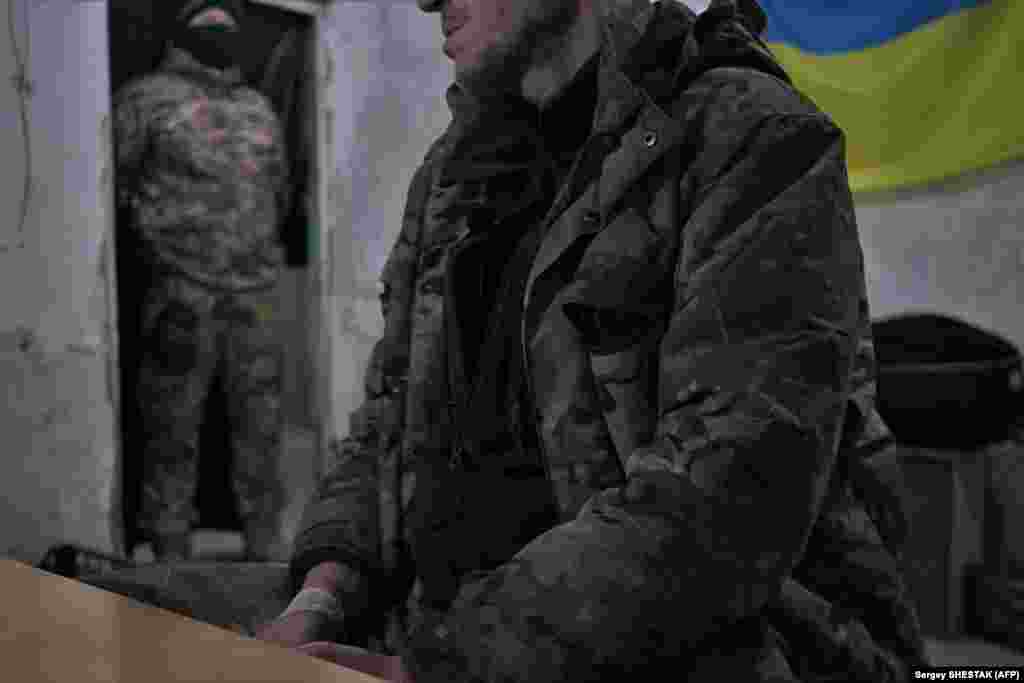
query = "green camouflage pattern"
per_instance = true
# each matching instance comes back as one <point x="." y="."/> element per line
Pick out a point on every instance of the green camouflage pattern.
<point x="190" y="336"/>
<point x="697" y="334"/>
<point x="202" y="168"/>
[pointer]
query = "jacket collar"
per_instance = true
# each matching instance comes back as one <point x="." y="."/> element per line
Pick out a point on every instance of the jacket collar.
<point x="624" y="23"/>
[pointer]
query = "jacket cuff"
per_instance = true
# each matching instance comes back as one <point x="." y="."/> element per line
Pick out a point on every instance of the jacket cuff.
<point x="318" y="545"/>
<point x="431" y="655"/>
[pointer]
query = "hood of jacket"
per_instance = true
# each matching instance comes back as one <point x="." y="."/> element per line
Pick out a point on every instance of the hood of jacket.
<point x="662" y="46"/>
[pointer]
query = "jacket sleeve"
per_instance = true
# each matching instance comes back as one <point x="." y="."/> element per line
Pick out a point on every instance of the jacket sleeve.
<point x="342" y="521"/>
<point x="131" y="111"/>
<point x="285" y="174"/>
<point x="754" y="374"/>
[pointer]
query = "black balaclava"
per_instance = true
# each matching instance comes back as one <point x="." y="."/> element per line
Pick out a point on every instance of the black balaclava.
<point x="217" y="46"/>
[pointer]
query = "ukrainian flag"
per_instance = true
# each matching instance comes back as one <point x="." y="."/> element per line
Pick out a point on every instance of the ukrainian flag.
<point x="925" y="89"/>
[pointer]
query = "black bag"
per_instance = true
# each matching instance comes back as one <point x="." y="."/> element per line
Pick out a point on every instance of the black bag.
<point x="944" y="383"/>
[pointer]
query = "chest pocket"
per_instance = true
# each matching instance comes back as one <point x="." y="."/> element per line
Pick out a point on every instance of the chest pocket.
<point x="619" y="302"/>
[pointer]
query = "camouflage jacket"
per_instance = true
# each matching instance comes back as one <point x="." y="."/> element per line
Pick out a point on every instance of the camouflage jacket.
<point x="202" y="169"/>
<point x="697" y="337"/>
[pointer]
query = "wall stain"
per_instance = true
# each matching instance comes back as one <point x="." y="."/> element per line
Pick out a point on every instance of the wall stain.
<point x="20" y="339"/>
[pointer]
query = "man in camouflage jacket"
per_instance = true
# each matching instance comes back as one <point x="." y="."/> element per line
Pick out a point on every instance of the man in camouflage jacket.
<point x="674" y="481"/>
<point x="201" y="168"/>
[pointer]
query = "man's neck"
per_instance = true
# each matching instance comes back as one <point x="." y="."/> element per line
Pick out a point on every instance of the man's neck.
<point x="557" y="68"/>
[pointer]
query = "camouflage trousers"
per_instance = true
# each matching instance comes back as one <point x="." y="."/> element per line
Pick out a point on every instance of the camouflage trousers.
<point x="192" y="336"/>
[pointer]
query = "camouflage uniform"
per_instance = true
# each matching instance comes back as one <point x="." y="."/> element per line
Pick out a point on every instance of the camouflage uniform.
<point x="700" y="383"/>
<point x="201" y="165"/>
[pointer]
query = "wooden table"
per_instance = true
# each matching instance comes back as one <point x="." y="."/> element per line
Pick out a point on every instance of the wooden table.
<point x="57" y="630"/>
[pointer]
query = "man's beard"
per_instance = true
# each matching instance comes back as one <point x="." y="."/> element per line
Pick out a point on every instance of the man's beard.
<point x="502" y="66"/>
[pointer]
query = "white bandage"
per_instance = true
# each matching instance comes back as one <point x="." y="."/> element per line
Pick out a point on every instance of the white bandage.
<point x="318" y="601"/>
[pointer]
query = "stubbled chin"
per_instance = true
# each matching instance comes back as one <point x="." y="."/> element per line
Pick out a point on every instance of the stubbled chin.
<point x="488" y="72"/>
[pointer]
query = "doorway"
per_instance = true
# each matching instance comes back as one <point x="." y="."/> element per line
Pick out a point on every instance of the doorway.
<point x="281" y="62"/>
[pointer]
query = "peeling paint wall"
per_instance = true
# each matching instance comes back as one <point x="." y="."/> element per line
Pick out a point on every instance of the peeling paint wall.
<point x="58" y="468"/>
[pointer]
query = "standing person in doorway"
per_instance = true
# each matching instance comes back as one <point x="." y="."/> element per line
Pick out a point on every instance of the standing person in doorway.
<point x="202" y="169"/>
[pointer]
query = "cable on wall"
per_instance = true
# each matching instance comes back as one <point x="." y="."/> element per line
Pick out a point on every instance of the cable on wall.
<point x="24" y="87"/>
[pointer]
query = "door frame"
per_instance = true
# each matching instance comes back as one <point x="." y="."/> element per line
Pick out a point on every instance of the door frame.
<point x="310" y="8"/>
<point x="321" y="262"/>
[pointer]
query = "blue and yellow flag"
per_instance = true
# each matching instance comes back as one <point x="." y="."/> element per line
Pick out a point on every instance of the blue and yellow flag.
<point x="925" y="89"/>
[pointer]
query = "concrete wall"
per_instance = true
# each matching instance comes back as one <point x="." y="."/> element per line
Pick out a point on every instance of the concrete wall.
<point x="389" y="78"/>
<point x="58" y="449"/>
<point x="955" y="248"/>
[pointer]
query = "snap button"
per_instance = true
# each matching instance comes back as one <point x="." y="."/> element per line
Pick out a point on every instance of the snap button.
<point x="650" y="138"/>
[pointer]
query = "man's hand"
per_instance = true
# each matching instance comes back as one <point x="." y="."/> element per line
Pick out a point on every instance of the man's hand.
<point x="381" y="666"/>
<point x="294" y="630"/>
<point x="314" y="623"/>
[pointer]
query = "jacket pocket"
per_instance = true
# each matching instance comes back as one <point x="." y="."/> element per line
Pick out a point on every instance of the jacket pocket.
<point x="621" y="291"/>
